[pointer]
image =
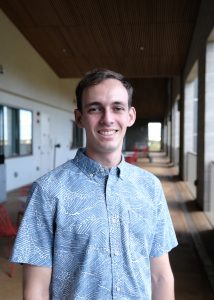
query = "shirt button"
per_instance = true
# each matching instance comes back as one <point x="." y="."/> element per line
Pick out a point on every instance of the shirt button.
<point x="117" y="289"/>
<point x="116" y="253"/>
<point x="114" y="221"/>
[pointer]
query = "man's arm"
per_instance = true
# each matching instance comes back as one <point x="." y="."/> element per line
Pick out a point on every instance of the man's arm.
<point x="162" y="278"/>
<point x="36" y="282"/>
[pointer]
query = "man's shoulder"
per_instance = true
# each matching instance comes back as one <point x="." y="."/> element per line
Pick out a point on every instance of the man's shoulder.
<point x="134" y="170"/>
<point x="141" y="178"/>
<point x="63" y="172"/>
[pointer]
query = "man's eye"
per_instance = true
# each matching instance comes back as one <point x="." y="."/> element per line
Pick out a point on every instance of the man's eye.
<point x="94" y="109"/>
<point x="119" y="108"/>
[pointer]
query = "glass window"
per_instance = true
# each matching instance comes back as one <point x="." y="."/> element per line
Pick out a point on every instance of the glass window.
<point x="25" y="132"/>
<point x="77" y="136"/>
<point x="10" y="132"/>
<point x="17" y="131"/>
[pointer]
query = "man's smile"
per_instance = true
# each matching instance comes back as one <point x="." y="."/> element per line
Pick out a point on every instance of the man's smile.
<point x="107" y="132"/>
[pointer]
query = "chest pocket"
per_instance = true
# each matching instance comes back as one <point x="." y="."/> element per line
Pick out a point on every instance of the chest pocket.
<point x="79" y="233"/>
<point x="141" y="232"/>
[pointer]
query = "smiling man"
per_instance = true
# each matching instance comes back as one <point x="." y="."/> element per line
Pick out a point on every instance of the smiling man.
<point x="98" y="228"/>
<point x="105" y="114"/>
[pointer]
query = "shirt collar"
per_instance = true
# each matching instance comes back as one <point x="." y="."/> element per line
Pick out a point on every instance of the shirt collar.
<point x="91" y="168"/>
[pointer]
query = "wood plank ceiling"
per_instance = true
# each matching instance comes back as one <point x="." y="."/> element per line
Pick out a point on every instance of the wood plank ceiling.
<point x="139" y="38"/>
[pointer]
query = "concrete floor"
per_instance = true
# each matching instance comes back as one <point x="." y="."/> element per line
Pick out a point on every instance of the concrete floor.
<point x="192" y="261"/>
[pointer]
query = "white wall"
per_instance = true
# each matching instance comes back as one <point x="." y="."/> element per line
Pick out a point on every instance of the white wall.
<point x="188" y="124"/>
<point x="175" y="132"/>
<point x="209" y="125"/>
<point x="27" y="74"/>
<point x="188" y="116"/>
<point x="29" y="83"/>
<point x="212" y="187"/>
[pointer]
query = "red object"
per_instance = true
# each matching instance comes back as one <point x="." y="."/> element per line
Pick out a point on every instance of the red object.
<point x="129" y="159"/>
<point x="132" y="158"/>
<point x="24" y="190"/>
<point x="8" y="230"/>
<point x="20" y="214"/>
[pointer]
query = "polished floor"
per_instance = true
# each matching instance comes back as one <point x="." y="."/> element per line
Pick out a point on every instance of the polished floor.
<point x="192" y="261"/>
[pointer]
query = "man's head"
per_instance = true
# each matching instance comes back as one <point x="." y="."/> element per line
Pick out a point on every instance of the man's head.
<point x="95" y="77"/>
<point x="105" y="111"/>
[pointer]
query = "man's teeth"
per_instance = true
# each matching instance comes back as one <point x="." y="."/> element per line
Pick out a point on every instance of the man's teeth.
<point x="107" y="132"/>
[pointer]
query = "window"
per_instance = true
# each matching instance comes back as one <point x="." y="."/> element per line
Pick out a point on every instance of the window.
<point x="15" y="131"/>
<point x="77" y="136"/>
<point x="25" y="132"/>
<point x="154" y="134"/>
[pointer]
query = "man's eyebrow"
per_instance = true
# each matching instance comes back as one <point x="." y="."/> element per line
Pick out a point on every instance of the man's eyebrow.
<point x="97" y="103"/>
<point x="92" y="103"/>
<point x="118" y="103"/>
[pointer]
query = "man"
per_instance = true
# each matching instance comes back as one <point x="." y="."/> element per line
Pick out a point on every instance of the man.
<point x="97" y="228"/>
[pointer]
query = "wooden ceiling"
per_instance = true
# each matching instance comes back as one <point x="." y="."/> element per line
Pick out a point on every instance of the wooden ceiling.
<point x="139" y="38"/>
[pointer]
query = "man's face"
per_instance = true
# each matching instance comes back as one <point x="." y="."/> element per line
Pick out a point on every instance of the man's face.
<point x="105" y="116"/>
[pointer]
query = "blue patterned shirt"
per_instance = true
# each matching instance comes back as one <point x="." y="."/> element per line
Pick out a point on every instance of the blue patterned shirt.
<point x="97" y="228"/>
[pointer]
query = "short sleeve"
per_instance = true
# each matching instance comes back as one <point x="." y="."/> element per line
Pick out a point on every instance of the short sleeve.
<point x="164" y="237"/>
<point x="34" y="241"/>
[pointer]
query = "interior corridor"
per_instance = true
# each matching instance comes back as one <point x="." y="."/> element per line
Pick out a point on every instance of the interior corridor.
<point x="192" y="261"/>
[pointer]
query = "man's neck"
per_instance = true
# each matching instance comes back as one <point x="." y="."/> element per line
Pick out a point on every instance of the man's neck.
<point x="107" y="160"/>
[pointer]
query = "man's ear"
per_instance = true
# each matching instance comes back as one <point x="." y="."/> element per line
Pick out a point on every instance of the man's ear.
<point x="78" y="118"/>
<point x="132" y="116"/>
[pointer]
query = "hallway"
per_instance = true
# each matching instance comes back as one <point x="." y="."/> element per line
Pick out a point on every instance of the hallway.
<point x="193" y="229"/>
<point x="191" y="281"/>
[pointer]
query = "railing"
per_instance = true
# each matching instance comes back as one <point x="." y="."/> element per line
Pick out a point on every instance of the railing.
<point x="212" y="187"/>
<point x="191" y="174"/>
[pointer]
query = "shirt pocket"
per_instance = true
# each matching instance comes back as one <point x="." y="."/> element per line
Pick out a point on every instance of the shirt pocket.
<point x="140" y="233"/>
<point x="80" y="235"/>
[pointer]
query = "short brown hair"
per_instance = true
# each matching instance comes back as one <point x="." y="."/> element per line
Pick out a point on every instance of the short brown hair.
<point x="95" y="77"/>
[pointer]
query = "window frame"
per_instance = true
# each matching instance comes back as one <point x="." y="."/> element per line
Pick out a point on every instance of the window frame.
<point x="77" y="136"/>
<point x="15" y="134"/>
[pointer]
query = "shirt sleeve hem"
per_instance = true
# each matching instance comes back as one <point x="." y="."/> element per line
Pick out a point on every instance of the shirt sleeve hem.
<point x="163" y="251"/>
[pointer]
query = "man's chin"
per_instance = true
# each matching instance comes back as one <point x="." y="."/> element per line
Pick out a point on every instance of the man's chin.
<point x="104" y="147"/>
<point x="110" y="148"/>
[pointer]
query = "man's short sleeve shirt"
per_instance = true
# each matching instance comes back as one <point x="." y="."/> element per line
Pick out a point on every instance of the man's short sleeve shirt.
<point x="97" y="229"/>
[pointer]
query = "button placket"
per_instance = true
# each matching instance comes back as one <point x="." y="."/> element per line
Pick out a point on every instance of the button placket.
<point x="114" y="231"/>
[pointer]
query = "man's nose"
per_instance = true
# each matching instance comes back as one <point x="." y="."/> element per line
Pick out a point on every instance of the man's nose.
<point x="107" y="117"/>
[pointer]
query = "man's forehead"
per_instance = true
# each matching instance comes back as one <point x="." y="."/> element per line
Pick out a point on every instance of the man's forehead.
<point x="110" y="100"/>
<point x="108" y="87"/>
